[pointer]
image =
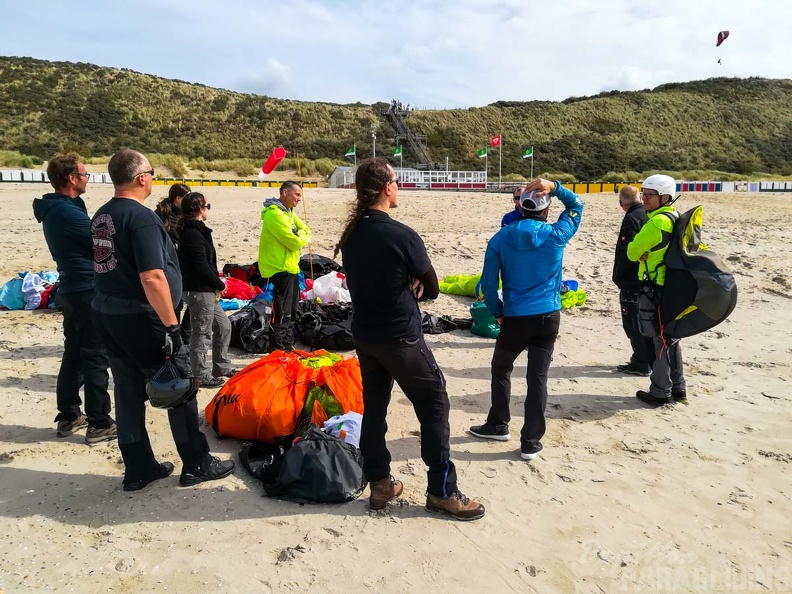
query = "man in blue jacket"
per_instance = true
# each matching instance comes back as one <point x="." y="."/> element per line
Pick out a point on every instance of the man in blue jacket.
<point x="527" y="256"/>
<point x="67" y="230"/>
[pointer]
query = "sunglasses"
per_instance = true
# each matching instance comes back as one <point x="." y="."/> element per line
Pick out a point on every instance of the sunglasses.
<point x="150" y="172"/>
<point x="85" y="175"/>
<point x="206" y="206"/>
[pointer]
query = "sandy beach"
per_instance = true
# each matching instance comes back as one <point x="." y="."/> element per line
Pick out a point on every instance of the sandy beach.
<point x="624" y="498"/>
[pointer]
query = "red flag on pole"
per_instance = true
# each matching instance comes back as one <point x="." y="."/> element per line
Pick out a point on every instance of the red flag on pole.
<point x="496" y="140"/>
<point x="272" y="162"/>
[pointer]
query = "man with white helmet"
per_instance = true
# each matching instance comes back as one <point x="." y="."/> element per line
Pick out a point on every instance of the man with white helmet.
<point x="667" y="380"/>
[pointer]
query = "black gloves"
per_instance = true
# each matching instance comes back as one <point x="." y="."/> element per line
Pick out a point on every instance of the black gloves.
<point x="173" y="341"/>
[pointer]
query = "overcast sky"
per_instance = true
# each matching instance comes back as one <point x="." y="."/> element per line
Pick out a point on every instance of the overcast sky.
<point x="427" y="53"/>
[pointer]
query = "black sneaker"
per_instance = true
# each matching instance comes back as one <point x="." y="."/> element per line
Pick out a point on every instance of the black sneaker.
<point x="216" y="469"/>
<point x="165" y="470"/>
<point x="487" y="431"/>
<point x="630" y="370"/>
<point x="529" y="451"/>
<point x="213" y="382"/>
<point x="652" y="400"/>
<point x="680" y="397"/>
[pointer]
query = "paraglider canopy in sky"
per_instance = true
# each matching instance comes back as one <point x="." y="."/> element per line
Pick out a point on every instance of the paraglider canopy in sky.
<point x="722" y="36"/>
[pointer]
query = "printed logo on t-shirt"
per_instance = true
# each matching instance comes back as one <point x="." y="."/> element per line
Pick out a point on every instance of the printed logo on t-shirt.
<point x="102" y="231"/>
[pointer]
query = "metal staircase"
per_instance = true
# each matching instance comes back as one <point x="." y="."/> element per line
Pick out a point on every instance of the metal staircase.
<point x="417" y="143"/>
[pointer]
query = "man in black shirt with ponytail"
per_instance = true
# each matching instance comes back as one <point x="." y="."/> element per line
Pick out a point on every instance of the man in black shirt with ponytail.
<point x="387" y="272"/>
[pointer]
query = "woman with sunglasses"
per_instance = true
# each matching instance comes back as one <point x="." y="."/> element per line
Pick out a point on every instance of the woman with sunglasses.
<point x="209" y="325"/>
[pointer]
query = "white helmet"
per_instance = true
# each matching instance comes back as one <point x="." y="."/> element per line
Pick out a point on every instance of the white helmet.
<point x="663" y="184"/>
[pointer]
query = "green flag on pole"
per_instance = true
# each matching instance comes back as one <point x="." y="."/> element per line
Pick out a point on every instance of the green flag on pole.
<point x="397" y="152"/>
<point x="351" y="152"/>
<point x="527" y="153"/>
<point x="483" y="152"/>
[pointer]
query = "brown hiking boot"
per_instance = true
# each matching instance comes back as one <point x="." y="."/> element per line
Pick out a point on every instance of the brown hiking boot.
<point x="383" y="491"/>
<point x="457" y="506"/>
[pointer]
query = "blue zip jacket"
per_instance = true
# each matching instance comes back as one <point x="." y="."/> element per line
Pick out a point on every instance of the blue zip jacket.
<point x="67" y="229"/>
<point x="527" y="255"/>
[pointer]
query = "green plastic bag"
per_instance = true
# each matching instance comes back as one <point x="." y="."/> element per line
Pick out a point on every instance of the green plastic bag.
<point x="484" y="323"/>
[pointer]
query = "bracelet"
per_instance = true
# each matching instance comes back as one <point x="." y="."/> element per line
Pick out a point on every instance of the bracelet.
<point x="173" y="329"/>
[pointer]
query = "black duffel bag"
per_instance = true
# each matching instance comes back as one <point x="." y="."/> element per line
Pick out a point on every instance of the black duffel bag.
<point x="325" y="325"/>
<point x="251" y="327"/>
<point x="321" y="265"/>
<point x="319" y="468"/>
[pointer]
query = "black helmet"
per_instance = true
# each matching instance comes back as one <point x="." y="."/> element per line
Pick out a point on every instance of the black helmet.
<point x="167" y="389"/>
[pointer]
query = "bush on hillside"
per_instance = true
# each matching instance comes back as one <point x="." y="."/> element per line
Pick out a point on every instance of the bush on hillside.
<point x="16" y="159"/>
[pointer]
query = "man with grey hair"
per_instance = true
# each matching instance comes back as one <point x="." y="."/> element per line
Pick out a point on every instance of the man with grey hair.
<point x="625" y="276"/>
<point x="138" y="285"/>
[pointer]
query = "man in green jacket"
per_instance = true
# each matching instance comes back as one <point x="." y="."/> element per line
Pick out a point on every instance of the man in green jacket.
<point x="283" y="235"/>
<point x="649" y="248"/>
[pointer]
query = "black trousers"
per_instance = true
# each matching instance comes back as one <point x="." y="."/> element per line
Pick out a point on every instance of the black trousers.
<point x="84" y="364"/>
<point x="411" y="364"/>
<point x="642" y="347"/>
<point x="134" y="343"/>
<point x="285" y="297"/>
<point x="537" y="334"/>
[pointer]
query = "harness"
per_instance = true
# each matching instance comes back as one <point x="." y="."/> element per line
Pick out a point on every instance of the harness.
<point x="664" y="242"/>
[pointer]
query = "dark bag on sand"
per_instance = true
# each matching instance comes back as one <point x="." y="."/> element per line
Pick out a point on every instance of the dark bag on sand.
<point x="440" y="325"/>
<point x="321" y="265"/>
<point x="251" y="327"/>
<point x="319" y="468"/>
<point x="325" y="325"/>
<point x="261" y="460"/>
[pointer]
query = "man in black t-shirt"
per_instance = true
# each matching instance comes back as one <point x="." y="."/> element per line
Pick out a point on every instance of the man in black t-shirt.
<point x="138" y="285"/>
<point x="387" y="271"/>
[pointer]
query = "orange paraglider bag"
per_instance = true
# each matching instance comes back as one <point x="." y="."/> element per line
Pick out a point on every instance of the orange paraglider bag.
<point x="268" y="400"/>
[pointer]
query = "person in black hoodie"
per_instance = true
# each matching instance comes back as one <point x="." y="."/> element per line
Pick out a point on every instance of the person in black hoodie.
<point x="209" y="325"/>
<point x="67" y="230"/>
<point x="625" y="275"/>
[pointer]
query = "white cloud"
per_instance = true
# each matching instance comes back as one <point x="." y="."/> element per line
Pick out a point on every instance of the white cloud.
<point x="273" y="79"/>
<point x="426" y="52"/>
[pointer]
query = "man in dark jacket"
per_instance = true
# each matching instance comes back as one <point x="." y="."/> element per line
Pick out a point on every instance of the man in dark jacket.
<point x="625" y="275"/>
<point x="67" y="230"/>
